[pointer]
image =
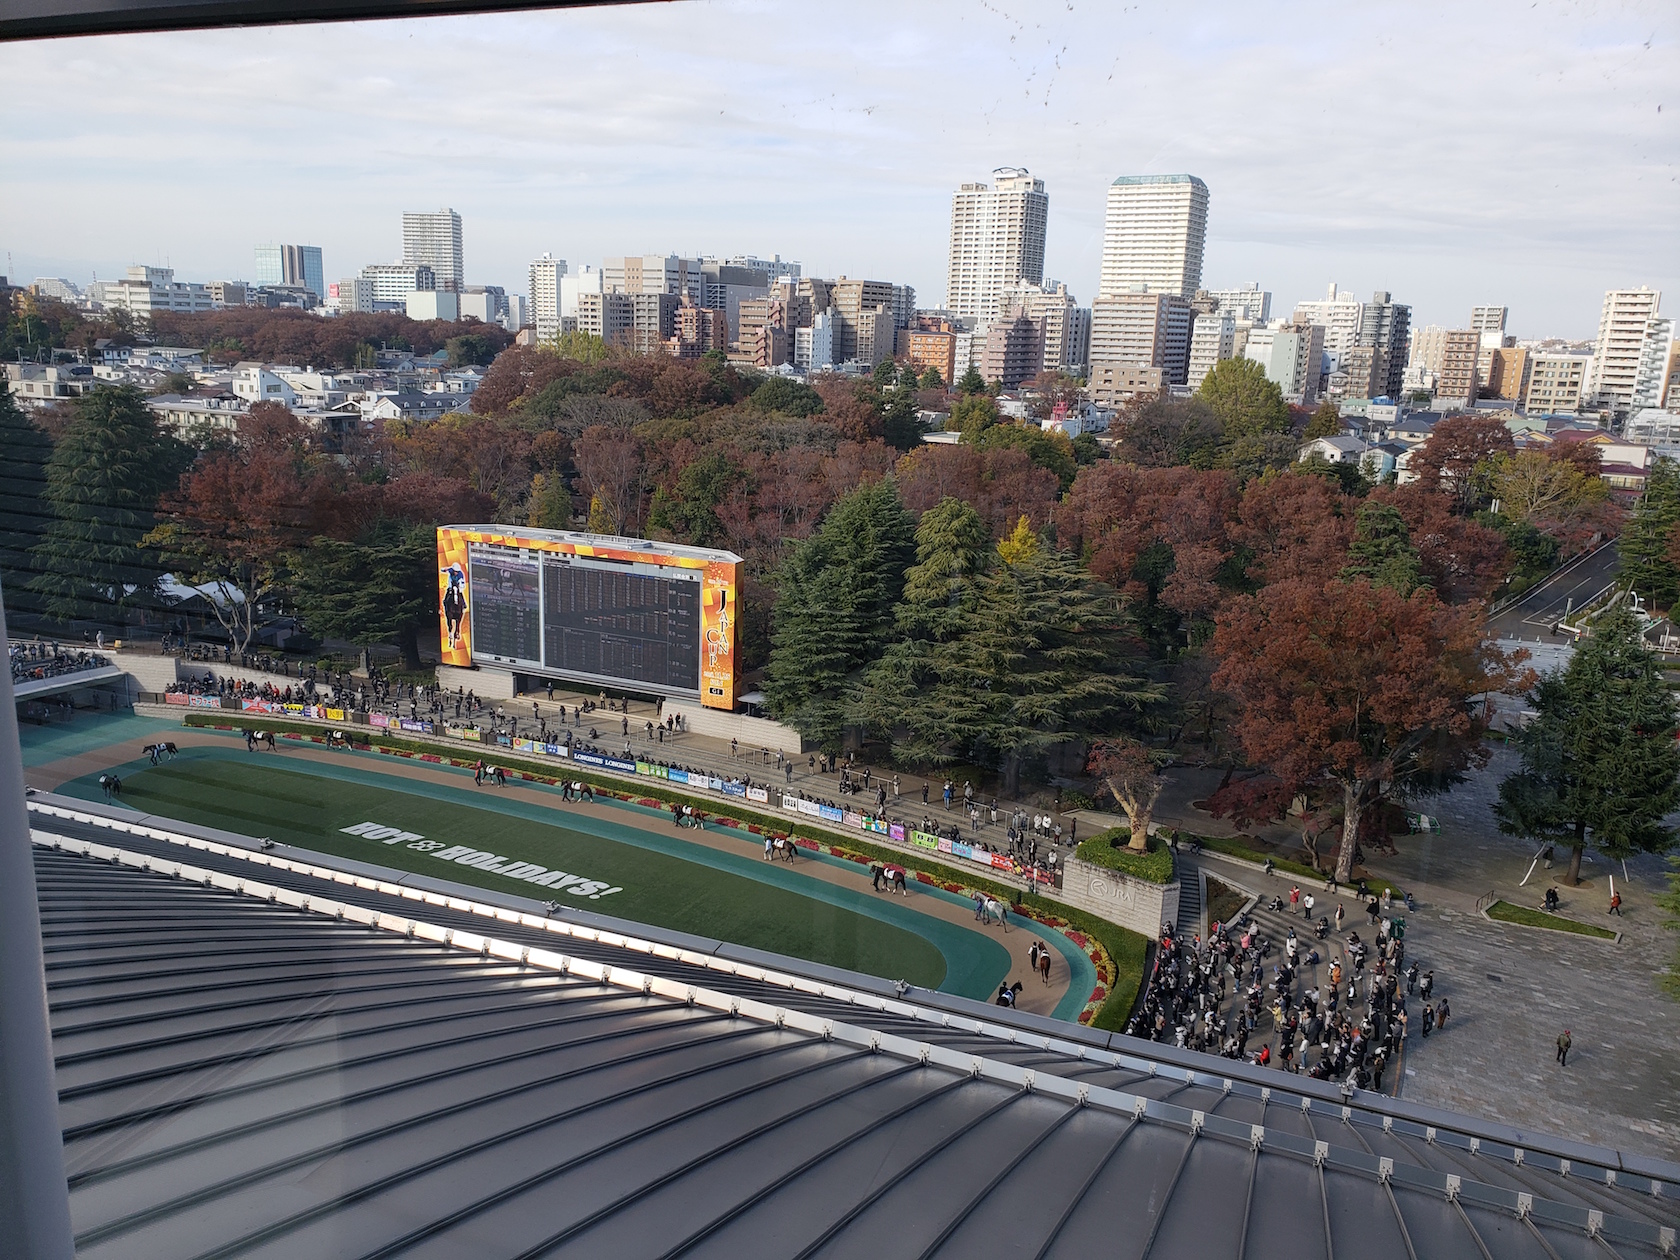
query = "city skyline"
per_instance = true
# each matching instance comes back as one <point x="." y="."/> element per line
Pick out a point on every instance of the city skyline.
<point x="1561" y="188"/>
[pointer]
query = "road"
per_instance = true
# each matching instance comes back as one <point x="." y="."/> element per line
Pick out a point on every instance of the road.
<point x="1533" y="616"/>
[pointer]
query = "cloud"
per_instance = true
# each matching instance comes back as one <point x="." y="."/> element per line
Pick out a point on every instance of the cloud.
<point x="1450" y="153"/>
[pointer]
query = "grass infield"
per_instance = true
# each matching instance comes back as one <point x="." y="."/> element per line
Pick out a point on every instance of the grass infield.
<point x="656" y="878"/>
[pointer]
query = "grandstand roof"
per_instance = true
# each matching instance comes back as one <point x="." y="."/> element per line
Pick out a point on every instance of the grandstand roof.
<point x="260" y="1055"/>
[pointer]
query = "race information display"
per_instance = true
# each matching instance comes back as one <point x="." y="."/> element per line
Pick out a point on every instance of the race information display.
<point x="615" y="624"/>
<point x="643" y="614"/>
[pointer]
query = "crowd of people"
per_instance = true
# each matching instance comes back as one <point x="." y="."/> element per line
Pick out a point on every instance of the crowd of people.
<point x="1336" y="1011"/>
<point x="40" y="659"/>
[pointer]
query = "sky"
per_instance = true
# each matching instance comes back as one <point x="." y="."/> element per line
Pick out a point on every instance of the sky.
<point x="1516" y="153"/>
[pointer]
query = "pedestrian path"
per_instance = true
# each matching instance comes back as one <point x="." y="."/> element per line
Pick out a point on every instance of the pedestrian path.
<point x="1190" y="917"/>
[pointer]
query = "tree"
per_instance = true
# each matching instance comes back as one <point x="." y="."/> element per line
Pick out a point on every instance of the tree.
<point x="1355" y="687"/>
<point x="1167" y="433"/>
<point x="103" y="483"/>
<point x="550" y="501"/>
<point x="971" y="382"/>
<point x="25" y="510"/>
<point x="1052" y="451"/>
<point x="1325" y="422"/>
<point x="1132" y="773"/>
<point x="1648" y="566"/>
<point x="1599" y="760"/>
<point x="791" y="398"/>
<point x="972" y="414"/>
<point x="931" y="378"/>
<point x="953" y="550"/>
<point x="379" y="588"/>
<point x="1460" y="456"/>
<point x="901" y="420"/>
<point x="1531" y="486"/>
<point x="1244" y="401"/>
<point x="1382" y="551"/>
<point x="614" y="474"/>
<point x="1021" y="545"/>
<point x="1047" y="660"/>
<point x="234" y="518"/>
<point x="834" y="614"/>
<point x="469" y="349"/>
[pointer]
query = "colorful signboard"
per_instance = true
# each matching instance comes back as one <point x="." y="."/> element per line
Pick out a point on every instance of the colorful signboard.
<point x="623" y="611"/>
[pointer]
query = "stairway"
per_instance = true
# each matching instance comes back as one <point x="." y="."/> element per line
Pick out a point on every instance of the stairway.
<point x="1189" y="898"/>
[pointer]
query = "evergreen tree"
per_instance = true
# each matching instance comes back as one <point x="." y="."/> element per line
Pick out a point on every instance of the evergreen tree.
<point x="835" y="611"/>
<point x="1324" y="422"/>
<point x="25" y="511"/>
<point x="103" y="483"/>
<point x="1382" y="551"/>
<point x="1246" y="402"/>
<point x="1047" y="660"/>
<point x="971" y="382"/>
<point x="901" y="422"/>
<point x="382" y="588"/>
<point x="1646" y="564"/>
<point x="1599" y="761"/>
<point x="903" y="698"/>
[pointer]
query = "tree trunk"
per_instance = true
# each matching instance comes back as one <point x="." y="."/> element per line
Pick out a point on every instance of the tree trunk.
<point x="409" y="641"/>
<point x="1573" y="877"/>
<point x="1011" y="775"/>
<point x="1352" y="799"/>
<point x="1140" y="834"/>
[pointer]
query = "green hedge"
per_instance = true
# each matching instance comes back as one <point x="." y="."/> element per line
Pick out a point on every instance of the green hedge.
<point x="1126" y="948"/>
<point x="1506" y="912"/>
<point x="1110" y="848"/>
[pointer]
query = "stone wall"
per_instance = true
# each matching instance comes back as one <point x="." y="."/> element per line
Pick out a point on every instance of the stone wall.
<point x="1132" y="903"/>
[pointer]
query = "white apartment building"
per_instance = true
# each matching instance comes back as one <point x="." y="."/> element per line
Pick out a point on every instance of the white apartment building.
<point x="56" y="287"/>
<point x="546" y="276"/>
<point x="609" y="316"/>
<point x="1291" y="355"/>
<point x="1213" y="338"/>
<point x="148" y="289"/>
<point x="997" y="240"/>
<point x="1052" y="308"/>
<point x="573" y="285"/>
<point x="254" y="383"/>
<point x="1556" y="381"/>
<point x="1429" y="349"/>
<point x="434" y="240"/>
<point x="813" y="347"/>
<point x="1622" y="326"/>
<point x="1339" y="313"/>
<point x="433" y="304"/>
<point x="654" y="273"/>
<point x="393" y="282"/>
<point x="1650" y="375"/>
<point x="353" y="294"/>
<point x="1485" y="319"/>
<point x="1246" y="302"/>
<point x="1154" y="234"/>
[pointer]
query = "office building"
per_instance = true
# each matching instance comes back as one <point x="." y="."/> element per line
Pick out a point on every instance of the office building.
<point x="1622" y="325"/>
<point x="292" y="266"/>
<point x="393" y="282"/>
<point x="434" y="240"/>
<point x="226" y="292"/>
<point x="768" y="270"/>
<point x="1556" y="381"/>
<point x="1213" y="338"/>
<point x="1154" y="234"/>
<point x="1651" y="372"/>
<point x="56" y="287"/>
<point x="352" y="294"/>
<point x="573" y="285"/>
<point x="1116" y="384"/>
<point x="654" y="273"/>
<point x="1247" y="302"/>
<point x="864" y="322"/>
<point x="1291" y="355"/>
<point x="1078" y="354"/>
<point x="544" y="278"/>
<point x="432" y="304"/>
<point x="147" y="290"/>
<point x="1014" y="350"/>
<point x="518" y="313"/>
<point x="1455" y="381"/>
<point x="1339" y="313"/>
<point x="997" y="240"/>
<point x="487" y="303"/>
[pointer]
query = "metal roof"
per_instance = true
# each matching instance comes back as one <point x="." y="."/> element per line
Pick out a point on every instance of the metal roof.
<point x="258" y="1055"/>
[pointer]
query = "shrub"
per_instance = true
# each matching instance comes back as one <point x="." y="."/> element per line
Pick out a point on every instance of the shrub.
<point x="1110" y="849"/>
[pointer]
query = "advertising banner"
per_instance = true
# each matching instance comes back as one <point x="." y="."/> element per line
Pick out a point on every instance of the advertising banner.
<point x="851" y="818"/>
<point x="831" y="813"/>
<point x="896" y="831"/>
<point x="618" y="763"/>
<point x="589" y="759"/>
<point x="924" y="840"/>
<point x="421" y="725"/>
<point x="718" y="616"/>
<point x="677" y="776"/>
<point x="335" y="715"/>
<point x="175" y="697"/>
<point x="733" y="788"/>
<point x="761" y="795"/>
<point x="521" y="744"/>
<point x="204" y="702"/>
<point x="556" y="750"/>
<point x="469" y="733"/>
<point x="454" y="612"/>
<point x="810" y="807"/>
<point x="379" y="719"/>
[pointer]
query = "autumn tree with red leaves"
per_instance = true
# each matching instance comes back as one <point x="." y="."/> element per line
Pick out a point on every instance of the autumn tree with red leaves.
<point x="1350" y="687"/>
<point x="1458" y="458"/>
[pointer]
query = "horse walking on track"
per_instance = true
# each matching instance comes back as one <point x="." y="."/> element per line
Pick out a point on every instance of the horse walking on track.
<point x="782" y="850"/>
<point x="992" y="906"/>
<point x="110" y="785"/>
<point x="1044" y="964"/>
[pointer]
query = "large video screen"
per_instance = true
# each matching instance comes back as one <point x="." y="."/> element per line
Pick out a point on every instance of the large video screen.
<point x="507" y="604"/>
<point x="649" y="615"/>
<point x="618" y="624"/>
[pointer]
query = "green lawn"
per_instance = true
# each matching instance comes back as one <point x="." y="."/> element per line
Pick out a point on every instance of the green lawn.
<point x="1505" y="912"/>
<point x="655" y="876"/>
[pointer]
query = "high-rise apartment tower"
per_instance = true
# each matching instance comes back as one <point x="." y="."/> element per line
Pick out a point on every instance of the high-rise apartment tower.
<point x="997" y="240"/>
<point x="434" y="240"/>
<point x="1154" y="234"/>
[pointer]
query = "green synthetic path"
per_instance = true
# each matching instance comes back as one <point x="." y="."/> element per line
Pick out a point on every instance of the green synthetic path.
<point x="670" y="882"/>
<point x="57" y="740"/>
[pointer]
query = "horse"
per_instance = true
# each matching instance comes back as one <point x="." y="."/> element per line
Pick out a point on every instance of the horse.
<point x="893" y="878"/>
<point x="1044" y="964"/>
<point x="262" y="737"/>
<point x="110" y="785"/>
<point x="991" y="906"/>
<point x="782" y="849"/>
<point x="498" y="776"/>
<point x="336" y="739"/>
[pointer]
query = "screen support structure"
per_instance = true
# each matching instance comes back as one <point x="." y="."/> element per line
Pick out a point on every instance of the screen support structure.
<point x="34" y="1195"/>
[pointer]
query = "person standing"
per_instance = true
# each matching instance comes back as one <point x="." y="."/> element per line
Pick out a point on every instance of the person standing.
<point x="1306" y="906"/>
<point x="1564" y="1041"/>
<point x="1441" y="1013"/>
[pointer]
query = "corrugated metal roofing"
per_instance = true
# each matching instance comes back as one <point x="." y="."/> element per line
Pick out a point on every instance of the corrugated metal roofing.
<point x="240" y="1076"/>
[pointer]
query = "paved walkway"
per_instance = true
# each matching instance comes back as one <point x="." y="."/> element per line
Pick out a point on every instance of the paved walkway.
<point x="1037" y="996"/>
